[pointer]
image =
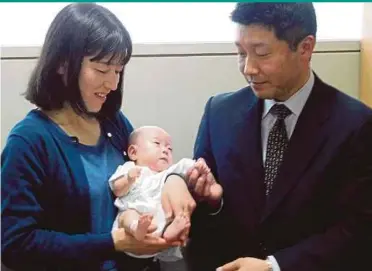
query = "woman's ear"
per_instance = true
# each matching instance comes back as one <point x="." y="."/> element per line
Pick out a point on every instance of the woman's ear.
<point x="132" y="152"/>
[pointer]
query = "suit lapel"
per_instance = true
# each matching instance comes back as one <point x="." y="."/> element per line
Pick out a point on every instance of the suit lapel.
<point x="306" y="141"/>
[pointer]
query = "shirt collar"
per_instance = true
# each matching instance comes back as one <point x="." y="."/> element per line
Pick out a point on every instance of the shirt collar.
<point x="296" y="102"/>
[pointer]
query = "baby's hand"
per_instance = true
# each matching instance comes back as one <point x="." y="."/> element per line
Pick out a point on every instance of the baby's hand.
<point x="133" y="174"/>
<point x="202" y="167"/>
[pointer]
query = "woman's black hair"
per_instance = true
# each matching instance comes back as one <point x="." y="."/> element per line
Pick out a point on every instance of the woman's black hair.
<point x="78" y="30"/>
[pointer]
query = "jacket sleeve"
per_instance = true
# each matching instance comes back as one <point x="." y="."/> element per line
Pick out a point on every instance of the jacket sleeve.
<point x="322" y="250"/>
<point x="202" y="147"/>
<point x="23" y="238"/>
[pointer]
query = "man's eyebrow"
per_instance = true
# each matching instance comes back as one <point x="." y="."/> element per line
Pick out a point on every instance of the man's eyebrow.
<point x="260" y="44"/>
<point x="254" y="44"/>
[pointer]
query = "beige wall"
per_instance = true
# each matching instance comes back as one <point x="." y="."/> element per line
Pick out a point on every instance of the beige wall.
<point x="168" y="85"/>
<point x="366" y="56"/>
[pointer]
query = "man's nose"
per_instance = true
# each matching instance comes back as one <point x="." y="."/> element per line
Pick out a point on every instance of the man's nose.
<point x="250" y="67"/>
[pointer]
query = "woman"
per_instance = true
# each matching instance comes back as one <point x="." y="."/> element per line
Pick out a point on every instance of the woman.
<point x="57" y="210"/>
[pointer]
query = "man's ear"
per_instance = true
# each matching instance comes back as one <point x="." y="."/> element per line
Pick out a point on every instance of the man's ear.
<point x="306" y="47"/>
<point x="132" y="152"/>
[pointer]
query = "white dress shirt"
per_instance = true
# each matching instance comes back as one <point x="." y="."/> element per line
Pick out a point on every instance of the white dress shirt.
<point x="295" y="103"/>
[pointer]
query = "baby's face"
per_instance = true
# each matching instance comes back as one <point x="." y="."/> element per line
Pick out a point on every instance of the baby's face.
<point x="154" y="149"/>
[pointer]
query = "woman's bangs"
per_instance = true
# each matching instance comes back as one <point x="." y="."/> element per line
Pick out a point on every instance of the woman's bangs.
<point x="113" y="49"/>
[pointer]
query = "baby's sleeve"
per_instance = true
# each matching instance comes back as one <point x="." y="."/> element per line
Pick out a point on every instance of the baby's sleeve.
<point x="121" y="171"/>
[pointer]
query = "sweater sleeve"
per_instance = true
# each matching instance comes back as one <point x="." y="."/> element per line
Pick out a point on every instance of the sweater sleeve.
<point x="23" y="238"/>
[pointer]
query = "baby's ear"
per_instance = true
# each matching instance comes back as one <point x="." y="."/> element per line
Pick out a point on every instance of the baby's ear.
<point x="132" y="152"/>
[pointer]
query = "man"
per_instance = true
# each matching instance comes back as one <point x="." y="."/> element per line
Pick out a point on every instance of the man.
<point x="293" y="155"/>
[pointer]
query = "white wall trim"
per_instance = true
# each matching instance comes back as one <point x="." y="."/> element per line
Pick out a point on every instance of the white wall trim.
<point x="188" y="49"/>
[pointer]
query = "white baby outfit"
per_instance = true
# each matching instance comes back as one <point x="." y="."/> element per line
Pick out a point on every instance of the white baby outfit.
<point x="144" y="196"/>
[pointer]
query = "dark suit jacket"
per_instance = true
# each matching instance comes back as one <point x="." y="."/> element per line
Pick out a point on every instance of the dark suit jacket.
<point x="319" y="214"/>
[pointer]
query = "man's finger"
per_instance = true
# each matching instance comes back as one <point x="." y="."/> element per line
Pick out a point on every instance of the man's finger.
<point x="200" y="184"/>
<point x="231" y="266"/>
<point x="207" y="188"/>
<point x="215" y="191"/>
<point x="194" y="175"/>
<point x="206" y="191"/>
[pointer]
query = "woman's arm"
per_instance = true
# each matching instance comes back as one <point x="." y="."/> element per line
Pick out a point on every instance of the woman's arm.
<point x="23" y="237"/>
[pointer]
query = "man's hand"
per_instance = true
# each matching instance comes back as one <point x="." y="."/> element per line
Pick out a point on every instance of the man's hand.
<point x="203" y="184"/>
<point x="245" y="264"/>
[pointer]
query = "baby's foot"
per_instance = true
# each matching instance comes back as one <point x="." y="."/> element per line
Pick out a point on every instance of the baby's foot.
<point x="143" y="224"/>
<point x="176" y="228"/>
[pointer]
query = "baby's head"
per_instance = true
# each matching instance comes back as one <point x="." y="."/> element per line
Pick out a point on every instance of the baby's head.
<point x="151" y="146"/>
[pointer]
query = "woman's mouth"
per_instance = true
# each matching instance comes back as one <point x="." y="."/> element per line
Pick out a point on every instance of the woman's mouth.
<point x="101" y="96"/>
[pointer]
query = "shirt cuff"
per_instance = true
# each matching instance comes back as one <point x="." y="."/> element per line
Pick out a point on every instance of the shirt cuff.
<point x="274" y="263"/>
<point x="219" y="209"/>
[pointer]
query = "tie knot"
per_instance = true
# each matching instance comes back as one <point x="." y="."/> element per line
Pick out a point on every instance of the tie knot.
<point x="281" y="111"/>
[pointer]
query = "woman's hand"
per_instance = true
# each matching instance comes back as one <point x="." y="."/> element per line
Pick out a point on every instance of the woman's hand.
<point x="125" y="242"/>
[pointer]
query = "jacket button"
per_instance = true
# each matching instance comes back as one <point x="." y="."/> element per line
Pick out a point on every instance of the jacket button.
<point x="262" y="246"/>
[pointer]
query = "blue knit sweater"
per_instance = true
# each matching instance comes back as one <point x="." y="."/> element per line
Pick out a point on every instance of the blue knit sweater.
<point x="45" y="200"/>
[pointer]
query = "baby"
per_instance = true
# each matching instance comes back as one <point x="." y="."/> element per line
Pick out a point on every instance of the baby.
<point x="138" y="186"/>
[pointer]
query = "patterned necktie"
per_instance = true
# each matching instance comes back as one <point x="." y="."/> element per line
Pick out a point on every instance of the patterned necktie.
<point x="276" y="144"/>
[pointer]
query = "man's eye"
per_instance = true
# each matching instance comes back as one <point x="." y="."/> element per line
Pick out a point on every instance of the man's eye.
<point x="101" y="71"/>
<point x="262" y="53"/>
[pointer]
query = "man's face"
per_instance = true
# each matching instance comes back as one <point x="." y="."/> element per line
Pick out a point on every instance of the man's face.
<point x="273" y="70"/>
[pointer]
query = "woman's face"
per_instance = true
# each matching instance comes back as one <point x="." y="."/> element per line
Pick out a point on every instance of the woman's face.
<point x="96" y="80"/>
